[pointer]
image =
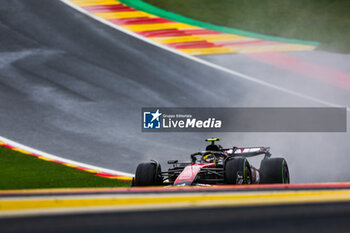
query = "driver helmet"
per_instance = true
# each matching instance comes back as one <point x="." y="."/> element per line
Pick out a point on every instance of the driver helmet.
<point x="209" y="158"/>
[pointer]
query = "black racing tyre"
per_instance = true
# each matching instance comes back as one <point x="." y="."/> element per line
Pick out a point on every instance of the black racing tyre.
<point x="237" y="171"/>
<point x="274" y="171"/>
<point x="148" y="174"/>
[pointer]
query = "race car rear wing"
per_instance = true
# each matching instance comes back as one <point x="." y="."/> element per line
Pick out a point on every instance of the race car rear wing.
<point x="248" y="151"/>
<point x="231" y="152"/>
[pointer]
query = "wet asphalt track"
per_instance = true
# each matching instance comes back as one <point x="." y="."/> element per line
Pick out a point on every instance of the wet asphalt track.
<point x="73" y="87"/>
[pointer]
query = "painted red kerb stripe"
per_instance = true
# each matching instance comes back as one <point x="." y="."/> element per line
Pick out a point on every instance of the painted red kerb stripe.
<point x="108" y="8"/>
<point x="143" y="20"/>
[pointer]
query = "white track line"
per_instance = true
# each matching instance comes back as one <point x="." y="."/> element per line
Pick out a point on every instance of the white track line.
<point x="50" y="156"/>
<point x="196" y="59"/>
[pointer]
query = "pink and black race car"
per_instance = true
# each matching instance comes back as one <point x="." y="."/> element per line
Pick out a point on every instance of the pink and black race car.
<point x="216" y="165"/>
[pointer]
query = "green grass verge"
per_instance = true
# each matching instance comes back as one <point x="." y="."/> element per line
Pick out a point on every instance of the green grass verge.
<point x="325" y="21"/>
<point x="20" y="171"/>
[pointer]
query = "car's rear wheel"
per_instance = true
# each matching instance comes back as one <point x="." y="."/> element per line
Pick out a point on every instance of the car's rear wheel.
<point x="274" y="171"/>
<point x="148" y="174"/>
<point x="237" y="171"/>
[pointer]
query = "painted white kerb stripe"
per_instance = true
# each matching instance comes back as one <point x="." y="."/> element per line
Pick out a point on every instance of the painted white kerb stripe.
<point x="54" y="157"/>
<point x="235" y="73"/>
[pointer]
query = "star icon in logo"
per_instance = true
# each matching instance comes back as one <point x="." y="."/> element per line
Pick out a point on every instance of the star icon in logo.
<point x="156" y="115"/>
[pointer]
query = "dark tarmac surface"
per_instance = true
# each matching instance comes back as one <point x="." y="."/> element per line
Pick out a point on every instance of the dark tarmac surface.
<point x="74" y="87"/>
<point x="303" y="217"/>
<point x="331" y="217"/>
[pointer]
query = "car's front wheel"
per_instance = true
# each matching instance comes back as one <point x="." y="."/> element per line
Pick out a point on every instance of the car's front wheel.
<point x="148" y="174"/>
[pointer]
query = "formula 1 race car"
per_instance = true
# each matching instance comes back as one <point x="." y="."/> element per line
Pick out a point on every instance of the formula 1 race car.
<point x="215" y="165"/>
